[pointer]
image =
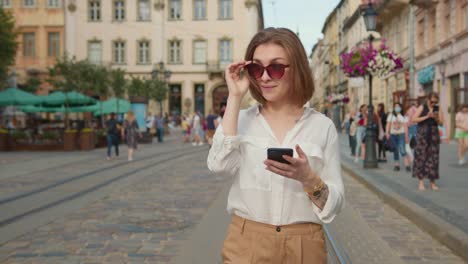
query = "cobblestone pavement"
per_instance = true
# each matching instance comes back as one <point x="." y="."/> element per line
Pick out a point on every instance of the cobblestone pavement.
<point x="373" y="232"/>
<point x="143" y="223"/>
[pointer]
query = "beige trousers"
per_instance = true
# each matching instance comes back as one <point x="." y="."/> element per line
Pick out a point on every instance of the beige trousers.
<point x="249" y="242"/>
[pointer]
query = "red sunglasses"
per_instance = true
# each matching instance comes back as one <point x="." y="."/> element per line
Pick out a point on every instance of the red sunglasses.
<point x="275" y="70"/>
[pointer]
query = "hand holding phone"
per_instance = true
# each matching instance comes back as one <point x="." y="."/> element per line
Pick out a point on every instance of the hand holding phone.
<point x="435" y="109"/>
<point x="276" y="154"/>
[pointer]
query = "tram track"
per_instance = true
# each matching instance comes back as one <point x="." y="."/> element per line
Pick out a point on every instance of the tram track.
<point x="58" y="193"/>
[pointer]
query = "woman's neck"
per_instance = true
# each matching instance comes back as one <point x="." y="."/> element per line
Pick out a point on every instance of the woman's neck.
<point x="281" y="109"/>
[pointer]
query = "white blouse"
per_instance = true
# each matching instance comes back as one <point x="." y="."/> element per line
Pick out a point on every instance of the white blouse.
<point x="263" y="196"/>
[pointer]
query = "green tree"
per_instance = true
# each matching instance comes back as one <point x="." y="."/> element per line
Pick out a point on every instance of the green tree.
<point x="99" y="81"/>
<point x="136" y="87"/>
<point x="118" y="84"/>
<point x="8" y="43"/>
<point x="158" y="92"/>
<point x="32" y="85"/>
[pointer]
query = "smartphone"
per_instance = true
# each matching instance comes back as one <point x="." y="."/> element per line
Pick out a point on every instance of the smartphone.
<point x="277" y="154"/>
<point x="436" y="109"/>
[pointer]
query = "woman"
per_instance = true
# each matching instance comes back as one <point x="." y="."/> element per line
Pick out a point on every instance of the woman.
<point x="361" y="133"/>
<point x="461" y="133"/>
<point x="382" y="156"/>
<point x="130" y="131"/>
<point x="289" y="201"/>
<point x="426" y="152"/>
<point x="397" y="130"/>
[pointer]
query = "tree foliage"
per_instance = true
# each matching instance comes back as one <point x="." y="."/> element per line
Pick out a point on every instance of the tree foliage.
<point x="32" y="85"/>
<point x="8" y="43"/>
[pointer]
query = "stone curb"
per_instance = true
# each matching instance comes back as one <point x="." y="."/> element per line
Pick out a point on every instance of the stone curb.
<point x="449" y="235"/>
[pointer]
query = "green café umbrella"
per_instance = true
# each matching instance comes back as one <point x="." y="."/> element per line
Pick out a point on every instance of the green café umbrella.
<point x="15" y="96"/>
<point x="110" y="106"/>
<point x="73" y="98"/>
<point x="49" y="109"/>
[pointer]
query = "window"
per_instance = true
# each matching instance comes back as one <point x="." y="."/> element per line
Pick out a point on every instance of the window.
<point x="95" y="52"/>
<point x="448" y="28"/>
<point x="199" y="9"/>
<point x="29" y="3"/>
<point x="144" y="52"/>
<point x="175" y="7"/>
<point x="144" y="9"/>
<point x="119" y="52"/>
<point x="225" y="9"/>
<point x="420" y="36"/>
<point x="119" y="10"/>
<point x="396" y="36"/>
<point x="433" y="29"/>
<point x="53" y="40"/>
<point x="53" y="3"/>
<point x="94" y="10"/>
<point x="175" y="51"/>
<point x="5" y="3"/>
<point x="224" y="52"/>
<point x="199" y="51"/>
<point x="29" y="44"/>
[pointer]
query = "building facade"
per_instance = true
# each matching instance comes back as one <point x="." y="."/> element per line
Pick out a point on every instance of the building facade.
<point x="194" y="40"/>
<point x="40" y="25"/>
<point x="394" y="26"/>
<point x="442" y="55"/>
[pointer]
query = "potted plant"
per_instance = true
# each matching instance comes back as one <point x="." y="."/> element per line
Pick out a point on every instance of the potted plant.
<point x="70" y="139"/>
<point x="4" y="137"/>
<point x="50" y="137"/>
<point x="86" y="139"/>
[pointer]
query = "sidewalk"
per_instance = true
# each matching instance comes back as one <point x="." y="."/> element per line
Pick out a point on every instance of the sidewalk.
<point x="441" y="213"/>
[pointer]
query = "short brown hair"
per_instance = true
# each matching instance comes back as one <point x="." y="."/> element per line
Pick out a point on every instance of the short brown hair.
<point x="432" y="95"/>
<point x="302" y="84"/>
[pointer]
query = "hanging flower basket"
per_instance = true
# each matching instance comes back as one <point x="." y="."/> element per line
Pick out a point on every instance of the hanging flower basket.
<point x="362" y="61"/>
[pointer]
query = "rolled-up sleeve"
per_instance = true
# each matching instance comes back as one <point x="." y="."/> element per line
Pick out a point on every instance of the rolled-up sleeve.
<point x="331" y="175"/>
<point x="224" y="154"/>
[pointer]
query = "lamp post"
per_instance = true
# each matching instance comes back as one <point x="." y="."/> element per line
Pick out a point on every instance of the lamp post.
<point x="162" y="74"/>
<point x="370" y="161"/>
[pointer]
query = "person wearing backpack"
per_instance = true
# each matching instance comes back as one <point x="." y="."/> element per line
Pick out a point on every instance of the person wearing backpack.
<point x="112" y="136"/>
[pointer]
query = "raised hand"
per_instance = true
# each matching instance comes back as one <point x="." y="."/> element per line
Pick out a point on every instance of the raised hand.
<point x="237" y="83"/>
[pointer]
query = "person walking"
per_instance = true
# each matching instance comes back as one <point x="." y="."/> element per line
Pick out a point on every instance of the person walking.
<point x="112" y="136"/>
<point x="211" y="126"/>
<point x="461" y="133"/>
<point x="277" y="208"/>
<point x="427" y="150"/>
<point x="382" y="156"/>
<point x="159" y="123"/>
<point x="131" y="133"/>
<point x="149" y="123"/>
<point x="350" y="129"/>
<point x="197" y="129"/>
<point x="397" y="131"/>
<point x="361" y="133"/>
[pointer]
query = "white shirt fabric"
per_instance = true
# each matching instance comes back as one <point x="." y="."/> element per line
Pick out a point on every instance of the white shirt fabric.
<point x="263" y="196"/>
<point x="397" y="123"/>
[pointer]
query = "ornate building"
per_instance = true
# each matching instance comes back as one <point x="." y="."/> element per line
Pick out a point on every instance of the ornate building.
<point x="194" y="40"/>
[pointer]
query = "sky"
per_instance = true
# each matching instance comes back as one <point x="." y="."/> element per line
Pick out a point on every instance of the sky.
<point x="305" y="16"/>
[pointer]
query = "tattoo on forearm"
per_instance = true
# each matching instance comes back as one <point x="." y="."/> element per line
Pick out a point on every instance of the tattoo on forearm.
<point x="322" y="200"/>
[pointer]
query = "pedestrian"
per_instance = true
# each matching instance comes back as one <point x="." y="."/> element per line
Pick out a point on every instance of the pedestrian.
<point x="211" y="126"/>
<point x="350" y="129"/>
<point x="131" y="132"/>
<point x="277" y="209"/>
<point x="149" y="123"/>
<point x="159" y="123"/>
<point x="382" y="156"/>
<point x="185" y="129"/>
<point x="197" y="129"/>
<point x="112" y="135"/>
<point x="397" y="130"/>
<point x="461" y="133"/>
<point x="361" y="133"/>
<point x="427" y="150"/>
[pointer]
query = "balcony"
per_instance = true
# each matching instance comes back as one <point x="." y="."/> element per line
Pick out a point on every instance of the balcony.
<point x="216" y="68"/>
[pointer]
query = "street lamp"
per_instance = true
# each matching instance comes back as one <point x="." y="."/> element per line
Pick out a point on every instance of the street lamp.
<point x="370" y="161"/>
<point x="162" y="74"/>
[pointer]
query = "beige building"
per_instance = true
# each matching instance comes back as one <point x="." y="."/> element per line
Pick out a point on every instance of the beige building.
<point x="442" y="55"/>
<point x="193" y="39"/>
<point x="40" y="24"/>
<point x="316" y="65"/>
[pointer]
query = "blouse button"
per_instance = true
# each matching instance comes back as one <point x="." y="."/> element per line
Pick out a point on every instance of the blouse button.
<point x="278" y="229"/>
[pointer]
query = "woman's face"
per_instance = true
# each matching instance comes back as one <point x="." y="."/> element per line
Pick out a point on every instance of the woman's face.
<point x="273" y="90"/>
